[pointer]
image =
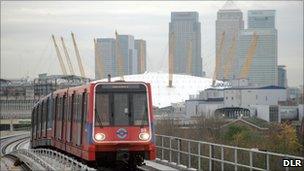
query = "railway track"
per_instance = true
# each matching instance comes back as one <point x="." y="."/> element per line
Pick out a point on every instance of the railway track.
<point x="9" y="144"/>
<point x="15" y="149"/>
<point x="12" y="144"/>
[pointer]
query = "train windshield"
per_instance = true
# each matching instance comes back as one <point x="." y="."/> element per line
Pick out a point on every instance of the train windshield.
<point x="120" y="107"/>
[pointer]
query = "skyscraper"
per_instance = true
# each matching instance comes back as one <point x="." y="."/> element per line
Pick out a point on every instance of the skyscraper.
<point x="140" y="46"/>
<point x="128" y="54"/>
<point x="109" y="51"/>
<point x="282" y="76"/>
<point x="263" y="69"/>
<point x="228" y="25"/>
<point x="186" y="47"/>
<point x="105" y="52"/>
<point x="261" y="19"/>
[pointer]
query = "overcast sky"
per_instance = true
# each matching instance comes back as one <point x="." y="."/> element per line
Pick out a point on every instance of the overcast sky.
<point x="26" y="28"/>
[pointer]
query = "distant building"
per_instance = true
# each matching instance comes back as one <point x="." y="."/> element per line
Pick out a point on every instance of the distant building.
<point x="105" y="48"/>
<point x="263" y="70"/>
<point x="293" y="92"/>
<point x="282" y="76"/>
<point x="233" y="102"/>
<point x="128" y="54"/>
<point x="132" y="54"/>
<point x="229" y="22"/>
<point x="261" y="19"/>
<point x="244" y="97"/>
<point x="17" y="97"/>
<point x="186" y="31"/>
<point x="140" y="46"/>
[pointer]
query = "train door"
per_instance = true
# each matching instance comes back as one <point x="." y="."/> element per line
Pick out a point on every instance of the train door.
<point x="63" y="119"/>
<point x="33" y="123"/>
<point x="74" y="119"/>
<point x="84" y="117"/>
<point x="55" y="117"/>
<point x="43" y="119"/>
<point x="79" y="114"/>
<point x="70" y="118"/>
<point x="46" y="112"/>
<point x="36" y="121"/>
<point x="58" y="122"/>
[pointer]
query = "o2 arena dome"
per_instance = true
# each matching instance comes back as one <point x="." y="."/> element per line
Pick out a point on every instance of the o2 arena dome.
<point x="182" y="86"/>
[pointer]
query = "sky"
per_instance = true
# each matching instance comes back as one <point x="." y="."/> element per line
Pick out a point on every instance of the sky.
<point x="26" y="29"/>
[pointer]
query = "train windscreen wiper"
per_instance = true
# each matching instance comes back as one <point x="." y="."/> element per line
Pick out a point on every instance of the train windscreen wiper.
<point x="98" y="118"/>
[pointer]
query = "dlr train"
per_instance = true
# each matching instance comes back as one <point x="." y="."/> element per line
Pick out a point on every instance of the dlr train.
<point x="100" y="123"/>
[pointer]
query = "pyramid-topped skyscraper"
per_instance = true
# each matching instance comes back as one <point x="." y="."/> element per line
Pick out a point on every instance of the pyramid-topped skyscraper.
<point x="228" y="25"/>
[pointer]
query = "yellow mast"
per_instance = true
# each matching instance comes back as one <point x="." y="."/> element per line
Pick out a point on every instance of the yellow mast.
<point x="81" y="69"/>
<point x="98" y="59"/>
<point x="171" y="52"/>
<point x="63" y="69"/>
<point x="230" y="58"/>
<point x="189" y="62"/>
<point x="251" y="51"/>
<point x="67" y="57"/>
<point x="218" y="58"/>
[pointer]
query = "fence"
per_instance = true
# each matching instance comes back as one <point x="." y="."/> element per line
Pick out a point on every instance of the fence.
<point x="210" y="156"/>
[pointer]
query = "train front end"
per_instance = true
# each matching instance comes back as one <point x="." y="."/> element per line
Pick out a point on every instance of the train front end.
<point x="123" y="122"/>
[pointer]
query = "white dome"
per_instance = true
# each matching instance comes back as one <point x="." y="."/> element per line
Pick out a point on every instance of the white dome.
<point x="162" y="95"/>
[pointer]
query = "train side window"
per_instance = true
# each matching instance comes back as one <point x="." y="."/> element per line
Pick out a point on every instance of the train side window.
<point x="79" y="115"/>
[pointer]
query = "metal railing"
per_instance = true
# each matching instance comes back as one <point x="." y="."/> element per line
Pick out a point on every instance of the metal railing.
<point x="63" y="159"/>
<point x="60" y="161"/>
<point x="202" y="155"/>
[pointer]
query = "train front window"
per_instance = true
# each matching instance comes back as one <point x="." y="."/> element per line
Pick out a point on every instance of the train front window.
<point x="121" y="108"/>
<point x="121" y="115"/>
<point x="140" y="109"/>
<point x="102" y="110"/>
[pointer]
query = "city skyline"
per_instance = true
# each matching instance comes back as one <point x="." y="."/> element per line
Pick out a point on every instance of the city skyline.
<point x="19" y="59"/>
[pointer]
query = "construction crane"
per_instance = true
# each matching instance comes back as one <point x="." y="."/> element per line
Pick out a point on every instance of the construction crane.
<point x="67" y="57"/>
<point x="230" y="58"/>
<point x="189" y="62"/>
<point x="119" y="59"/>
<point x="218" y="58"/>
<point x="78" y="56"/>
<point x="171" y="53"/>
<point x="249" y="57"/>
<point x="98" y="62"/>
<point x="63" y="69"/>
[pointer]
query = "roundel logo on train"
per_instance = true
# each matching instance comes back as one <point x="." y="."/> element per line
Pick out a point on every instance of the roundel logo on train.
<point x="121" y="133"/>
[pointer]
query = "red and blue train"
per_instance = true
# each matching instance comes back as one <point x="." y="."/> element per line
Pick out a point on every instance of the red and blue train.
<point x="101" y="122"/>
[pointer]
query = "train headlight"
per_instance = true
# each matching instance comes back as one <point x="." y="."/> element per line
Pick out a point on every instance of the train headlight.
<point x="144" y="136"/>
<point x="100" y="136"/>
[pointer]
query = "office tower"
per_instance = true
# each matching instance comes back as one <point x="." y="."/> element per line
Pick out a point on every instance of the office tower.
<point x="105" y="51"/>
<point x="282" y="76"/>
<point x="185" y="31"/>
<point x="261" y="19"/>
<point x="228" y="25"/>
<point x="140" y="46"/>
<point x="263" y="68"/>
<point x="128" y="54"/>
